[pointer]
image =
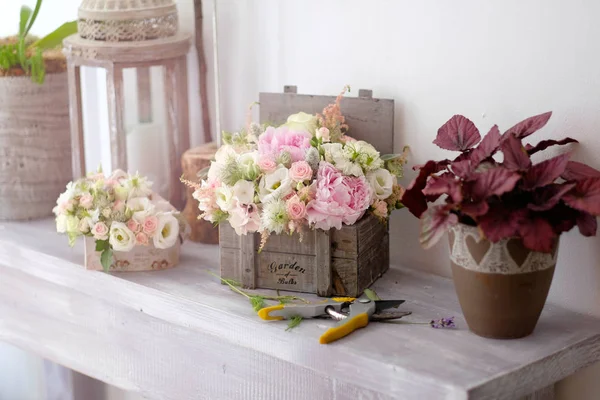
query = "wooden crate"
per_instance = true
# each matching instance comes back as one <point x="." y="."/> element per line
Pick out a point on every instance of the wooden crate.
<point x="336" y="262"/>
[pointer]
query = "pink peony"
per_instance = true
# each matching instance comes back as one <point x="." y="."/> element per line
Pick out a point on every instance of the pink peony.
<point x="266" y="164"/>
<point x="300" y="171"/>
<point x="338" y="198"/>
<point x="86" y="201"/>
<point x="296" y="209"/>
<point x="100" y="231"/>
<point x="274" y="141"/>
<point x="150" y="224"/>
<point x="141" y="238"/>
<point x="245" y="219"/>
<point x="133" y="225"/>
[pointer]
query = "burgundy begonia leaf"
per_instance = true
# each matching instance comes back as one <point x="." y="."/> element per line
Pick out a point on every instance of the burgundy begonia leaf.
<point x="529" y="125"/>
<point x="487" y="147"/>
<point x="577" y="171"/>
<point x="495" y="181"/>
<point x="585" y="196"/>
<point x="546" y="197"/>
<point x="434" y="222"/>
<point x="438" y="166"/>
<point x="561" y="217"/>
<point x="515" y="155"/>
<point x="546" y="172"/>
<point x="463" y="169"/>
<point x="445" y="183"/>
<point x="544" y="144"/>
<point x="474" y="209"/>
<point x="500" y="222"/>
<point x="458" y="133"/>
<point x="587" y="224"/>
<point x="465" y="155"/>
<point x="413" y="198"/>
<point x="537" y="234"/>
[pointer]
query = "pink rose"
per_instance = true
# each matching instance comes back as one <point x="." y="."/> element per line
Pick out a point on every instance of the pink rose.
<point x="141" y="238"/>
<point x="274" y="141"/>
<point x="323" y="133"/>
<point x="133" y="225"/>
<point x="266" y="164"/>
<point x="150" y="224"/>
<point x="86" y="201"/>
<point x="338" y="198"/>
<point x="119" y="206"/>
<point x="300" y="171"/>
<point x="100" y="231"/>
<point x="296" y="209"/>
<point x="245" y="219"/>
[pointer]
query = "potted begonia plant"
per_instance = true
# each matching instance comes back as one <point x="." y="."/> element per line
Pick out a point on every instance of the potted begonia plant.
<point x="35" y="143"/>
<point x="503" y="218"/>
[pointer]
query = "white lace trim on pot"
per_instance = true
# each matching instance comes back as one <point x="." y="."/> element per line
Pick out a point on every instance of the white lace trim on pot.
<point x="497" y="257"/>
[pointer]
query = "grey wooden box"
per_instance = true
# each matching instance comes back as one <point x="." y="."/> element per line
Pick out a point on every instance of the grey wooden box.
<point x="336" y="262"/>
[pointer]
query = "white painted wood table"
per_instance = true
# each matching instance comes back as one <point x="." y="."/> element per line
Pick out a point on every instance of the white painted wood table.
<point x="179" y="334"/>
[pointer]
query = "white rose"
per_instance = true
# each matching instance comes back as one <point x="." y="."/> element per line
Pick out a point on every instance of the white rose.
<point x="243" y="191"/>
<point x="275" y="185"/>
<point x="381" y="182"/>
<point x="166" y="232"/>
<point x="224" y="195"/>
<point x="61" y="223"/>
<point x="121" y="238"/>
<point x="302" y="122"/>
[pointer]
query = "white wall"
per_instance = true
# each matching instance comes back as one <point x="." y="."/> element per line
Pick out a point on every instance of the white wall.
<point x="495" y="62"/>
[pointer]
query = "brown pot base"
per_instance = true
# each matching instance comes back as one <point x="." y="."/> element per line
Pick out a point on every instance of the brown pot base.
<point x="502" y="306"/>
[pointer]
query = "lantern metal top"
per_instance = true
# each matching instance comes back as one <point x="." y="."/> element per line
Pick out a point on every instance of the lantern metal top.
<point x="127" y="20"/>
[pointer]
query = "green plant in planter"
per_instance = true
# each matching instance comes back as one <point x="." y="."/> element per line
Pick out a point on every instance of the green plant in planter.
<point x="504" y="218"/>
<point x="26" y="55"/>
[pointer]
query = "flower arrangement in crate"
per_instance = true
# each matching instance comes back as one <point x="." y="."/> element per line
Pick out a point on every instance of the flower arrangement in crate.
<point x="304" y="174"/>
<point x="126" y="226"/>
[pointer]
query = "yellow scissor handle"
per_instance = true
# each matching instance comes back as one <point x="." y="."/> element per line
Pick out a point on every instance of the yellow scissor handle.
<point x="349" y="326"/>
<point x="343" y="299"/>
<point x="264" y="313"/>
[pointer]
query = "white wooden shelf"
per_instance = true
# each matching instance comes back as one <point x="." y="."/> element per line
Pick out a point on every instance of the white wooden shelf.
<point x="179" y="334"/>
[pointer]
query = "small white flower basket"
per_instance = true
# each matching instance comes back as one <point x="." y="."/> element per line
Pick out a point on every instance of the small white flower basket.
<point x="140" y="258"/>
<point x="125" y="226"/>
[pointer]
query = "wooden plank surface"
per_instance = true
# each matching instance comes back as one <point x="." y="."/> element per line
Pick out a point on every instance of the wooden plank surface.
<point x="179" y="334"/>
<point x="369" y="119"/>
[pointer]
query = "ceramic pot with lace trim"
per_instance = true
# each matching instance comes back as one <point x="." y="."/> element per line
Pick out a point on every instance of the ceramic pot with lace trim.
<point x="502" y="287"/>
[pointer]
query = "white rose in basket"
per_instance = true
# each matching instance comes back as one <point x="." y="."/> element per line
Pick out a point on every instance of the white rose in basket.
<point x="302" y="122"/>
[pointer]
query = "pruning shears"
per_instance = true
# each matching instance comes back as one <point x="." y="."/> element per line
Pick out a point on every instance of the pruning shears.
<point x="351" y="313"/>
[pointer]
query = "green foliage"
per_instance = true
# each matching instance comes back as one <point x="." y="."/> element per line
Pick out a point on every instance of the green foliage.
<point x="29" y="57"/>
<point x="370" y="293"/>
<point x="106" y="259"/>
<point x="258" y="302"/>
<point x="294" y="322"/>
<point x="102" y="245"/>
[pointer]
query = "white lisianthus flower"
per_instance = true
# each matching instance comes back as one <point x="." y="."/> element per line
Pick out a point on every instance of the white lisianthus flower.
<point x="302" y="122"/>
<point x="248" y="162"/>
<point x="120" y="237"/>
<point x="61" y="223"/>
<point x="166" y="232"/>
<point x="275" y="185"/>
<point x="225" y="152"/>
<point x="225" y="200"/>
<point x="243" y="191"/>
<point x="382" y="182"/>
<point x="332" y="151"/>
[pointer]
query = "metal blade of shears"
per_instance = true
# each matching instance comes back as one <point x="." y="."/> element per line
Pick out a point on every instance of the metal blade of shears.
<point x="381" y="305"/>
